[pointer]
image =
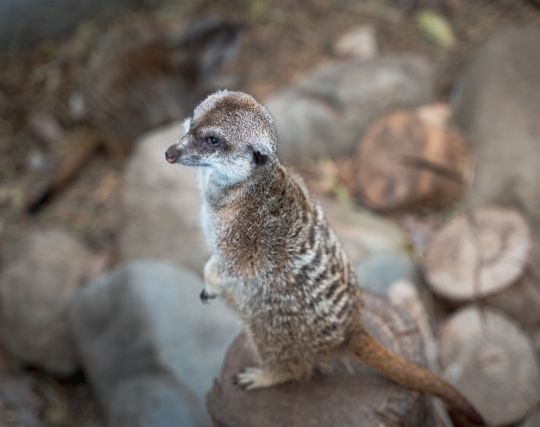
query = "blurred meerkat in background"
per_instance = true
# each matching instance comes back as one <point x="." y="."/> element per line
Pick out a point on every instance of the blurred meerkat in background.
<point x="129" y="89"/>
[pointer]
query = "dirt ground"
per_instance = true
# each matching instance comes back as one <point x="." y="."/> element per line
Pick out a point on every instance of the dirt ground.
<point x="283" y="40"/>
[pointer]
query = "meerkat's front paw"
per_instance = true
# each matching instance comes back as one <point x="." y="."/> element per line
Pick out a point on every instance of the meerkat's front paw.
<point x="205" y="296"/>
<point x="253" y="378"/>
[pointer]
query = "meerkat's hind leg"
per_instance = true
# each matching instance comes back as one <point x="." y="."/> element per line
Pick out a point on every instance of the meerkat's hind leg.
<point x="254" y="378"/>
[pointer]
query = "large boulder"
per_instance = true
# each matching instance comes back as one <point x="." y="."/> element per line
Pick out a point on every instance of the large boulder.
<point x="361" y="232"/>
<point x="154" y="401"/>
<point x="359" y="42"/>
<point x="149" y="347"/>
<point x="376" y="246"/>
<point x="17" y="403"/>
<point x="498" y="105"/>
<point x="326" y="113"/>
<point x="160" y="206"/>
<point x="40" y="277"/>
<point x="382" y="269"/>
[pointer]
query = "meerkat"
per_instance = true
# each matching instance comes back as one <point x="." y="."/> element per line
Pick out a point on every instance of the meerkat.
<point x="275" y="260"/>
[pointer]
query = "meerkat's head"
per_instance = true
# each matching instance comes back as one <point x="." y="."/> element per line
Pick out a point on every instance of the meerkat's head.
<point x="229" y="133"/>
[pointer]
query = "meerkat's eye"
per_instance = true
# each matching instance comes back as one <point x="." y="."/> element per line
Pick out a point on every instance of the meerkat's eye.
<point x="213" y="141"/>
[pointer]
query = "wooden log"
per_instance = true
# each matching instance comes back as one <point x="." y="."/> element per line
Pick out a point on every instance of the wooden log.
<point x="492" y="362"/>
<point x="478" y="254"/>
<point x="339" y="398"/>
<point x="412" y="159"/>
<point x="488" y="255"/>
<point x="522" y="299"/>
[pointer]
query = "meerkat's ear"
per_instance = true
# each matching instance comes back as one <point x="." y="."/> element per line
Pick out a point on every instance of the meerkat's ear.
<point x="260" y="156"/>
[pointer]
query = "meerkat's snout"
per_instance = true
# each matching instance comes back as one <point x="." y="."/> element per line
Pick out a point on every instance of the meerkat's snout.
<point x="172" y="154"/>
<point x="189" y="151"/>
<point x="185" y="151"/>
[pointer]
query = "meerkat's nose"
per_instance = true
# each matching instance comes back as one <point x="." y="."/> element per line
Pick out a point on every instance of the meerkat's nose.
<point x="172" y="154"/>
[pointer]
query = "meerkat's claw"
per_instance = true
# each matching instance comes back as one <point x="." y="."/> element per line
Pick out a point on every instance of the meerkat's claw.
<point x="253" y="378"/>
<point x="247" y="379"/>
<point x="206" y="296"/>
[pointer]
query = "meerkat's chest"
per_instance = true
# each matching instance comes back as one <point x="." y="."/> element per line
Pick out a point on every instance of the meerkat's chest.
<point x="207" y="226"/>
<point x="238" y="244"/>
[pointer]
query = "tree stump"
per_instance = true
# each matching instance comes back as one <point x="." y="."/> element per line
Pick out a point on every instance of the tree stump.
<point x="492" y="362"/>
<point x="340" y="398"/>
<point x="488" y="255"/>
<point x="412" y="159"/>
<point x="522" y="299"/>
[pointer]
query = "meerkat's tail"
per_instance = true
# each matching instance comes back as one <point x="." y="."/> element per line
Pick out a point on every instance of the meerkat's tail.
<point x="84" y="143"/>
<point x="410" y="375"/>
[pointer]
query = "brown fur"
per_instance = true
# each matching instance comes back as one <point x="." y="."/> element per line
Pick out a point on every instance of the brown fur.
<point x="275" y="259"/>
<point x="409" y="375"/>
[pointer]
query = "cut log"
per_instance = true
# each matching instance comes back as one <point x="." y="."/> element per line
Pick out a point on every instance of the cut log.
<point x="477" y="255"/>
<point x="522" y="299"/>
<point x="339" y="398"/>
<point x="492" y="362"/>
<point x="412" y="159"/>
<point x="488" y="255"/>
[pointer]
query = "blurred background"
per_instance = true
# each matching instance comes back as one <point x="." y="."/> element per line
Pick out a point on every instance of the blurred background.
<point x="415" y="122"/>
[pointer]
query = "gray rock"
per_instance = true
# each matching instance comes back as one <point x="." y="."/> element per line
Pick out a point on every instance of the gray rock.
<point x="160" y="206"/>
<point x="376" y="246"/>
<point x="327" y="112"/>
<point x="532" y="420"/>
<point x="27" y="22"/>
<point x="17" y="402"/>
<point x="535" y="336"/>
<point x="380" y="270"/>
<point x="498" y="105"/>
<point x="41" y="275"/>
<point x="144" y="337"/>
<point x="359" y="42"/>
<point x="363" y="233"/>
<point x="154" y="401"/>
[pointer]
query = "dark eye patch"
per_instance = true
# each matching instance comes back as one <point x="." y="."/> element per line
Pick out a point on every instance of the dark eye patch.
<point x="259" y="158"/>
<point x="213" y="141"/>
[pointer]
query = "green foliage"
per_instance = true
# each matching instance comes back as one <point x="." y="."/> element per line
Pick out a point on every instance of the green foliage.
<point x="436" y="28"/>
<point x="257" y="9"/>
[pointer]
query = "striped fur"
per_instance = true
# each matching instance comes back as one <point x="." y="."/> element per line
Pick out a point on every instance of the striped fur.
<point x="274" y="258"/>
